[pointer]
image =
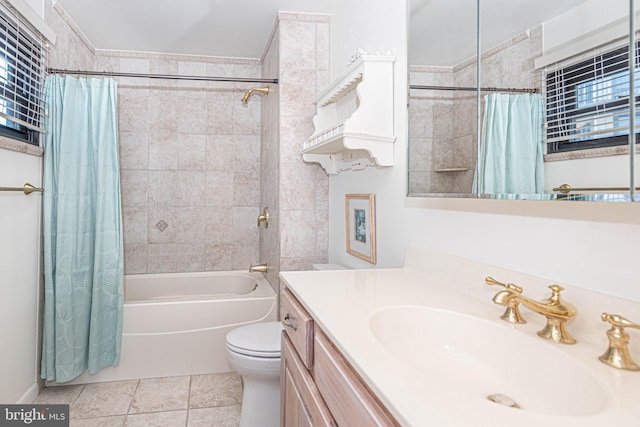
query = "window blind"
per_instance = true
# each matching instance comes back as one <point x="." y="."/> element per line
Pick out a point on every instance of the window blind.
<point x="589" y="100"/>
<point x="22" y="73"/>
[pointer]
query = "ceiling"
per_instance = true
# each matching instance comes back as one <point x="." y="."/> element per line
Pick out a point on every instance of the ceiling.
<point x="240" y="28"/>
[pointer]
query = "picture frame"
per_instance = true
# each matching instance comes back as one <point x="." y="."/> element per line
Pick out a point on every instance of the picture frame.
<point x="361" y="226"/>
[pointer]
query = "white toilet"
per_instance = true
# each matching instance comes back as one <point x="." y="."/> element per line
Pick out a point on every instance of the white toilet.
<point x="254" y="352"/>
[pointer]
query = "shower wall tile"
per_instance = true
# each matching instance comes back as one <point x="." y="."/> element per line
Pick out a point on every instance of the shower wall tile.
<point x="191" y="187"/>
<point x="135" y="258"/>
<point x="162" y="258"/>
<point x="245" y="227"/>
<point x="163" y="107"/>
<point x="218" y="256"/>
<point x="244" y="254"/>
<point x="219" y="190"/>
<point x="192" y="115"/>
<point x="133" y="110"/>
<point x="218" y="226"/>
<point x="134" y="186"/>
<point x="135" y="225"/>
<point x="188" y="224"/>
<point x="164" y="188"/>
<point x="134" y="150"/>
<point x="220" y="108"/>
<point x="190" y="152"/>
<point x="246" y="117"/>
<point x="219" y="152"/>
<point x="246" y="153"/>
<point x="156" y="234"/>
<point x="246" y="188"/>
<point x="163" y="151"/>
<point x="190" y="257"/>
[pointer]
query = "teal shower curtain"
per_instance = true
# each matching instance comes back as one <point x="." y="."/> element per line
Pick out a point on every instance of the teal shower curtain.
<point x="511" y="146"/>
<point x="82" y="228"/>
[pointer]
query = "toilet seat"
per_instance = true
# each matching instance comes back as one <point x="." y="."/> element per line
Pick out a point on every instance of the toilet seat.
<point x="257" y="340"/>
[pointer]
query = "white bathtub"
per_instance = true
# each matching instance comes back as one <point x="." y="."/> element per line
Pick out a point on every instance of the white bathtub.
<point x="176" y="324"/>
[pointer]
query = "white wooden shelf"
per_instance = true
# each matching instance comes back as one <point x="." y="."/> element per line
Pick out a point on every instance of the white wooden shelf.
<point x="354" y="122"/>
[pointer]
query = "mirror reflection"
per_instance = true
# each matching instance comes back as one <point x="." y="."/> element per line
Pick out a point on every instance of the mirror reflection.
<point x="550" y="107"/>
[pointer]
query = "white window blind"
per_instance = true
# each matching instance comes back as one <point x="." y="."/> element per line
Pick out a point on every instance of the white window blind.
<point x="588" y="101"/>
<point x="22" y="72"/>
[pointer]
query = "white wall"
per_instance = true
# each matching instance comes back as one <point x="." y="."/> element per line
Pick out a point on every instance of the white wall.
<point x="19" y="277"/>
<point x="584" y="244"/>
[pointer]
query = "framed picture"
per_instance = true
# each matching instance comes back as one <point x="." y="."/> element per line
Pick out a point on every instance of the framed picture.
<point x="361" y="226"/>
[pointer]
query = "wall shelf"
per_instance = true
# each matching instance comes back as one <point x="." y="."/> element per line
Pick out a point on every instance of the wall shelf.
<point x="354" y="122"/>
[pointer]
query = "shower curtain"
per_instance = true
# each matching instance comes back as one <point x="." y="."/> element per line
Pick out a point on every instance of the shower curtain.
<point x="511" y="145"/>
<point x="82" y="228"/>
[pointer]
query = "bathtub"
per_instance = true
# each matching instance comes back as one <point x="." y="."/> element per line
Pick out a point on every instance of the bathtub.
<point x="176" y="323"/>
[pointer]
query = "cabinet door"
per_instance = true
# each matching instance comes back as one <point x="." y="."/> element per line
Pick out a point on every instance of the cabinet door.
<point x="301" y="403"/>
<point x="346" y="396"/>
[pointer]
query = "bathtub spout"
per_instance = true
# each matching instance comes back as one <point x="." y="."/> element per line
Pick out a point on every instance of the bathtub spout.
<point x="260" y="268"/>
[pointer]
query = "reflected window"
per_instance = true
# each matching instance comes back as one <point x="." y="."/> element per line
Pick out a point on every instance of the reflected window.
<point x="588" y="103"/>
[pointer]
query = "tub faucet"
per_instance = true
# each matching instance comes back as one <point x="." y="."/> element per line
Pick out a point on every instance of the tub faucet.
<point x="554" y="309"/>
<point x="260" y="268"/>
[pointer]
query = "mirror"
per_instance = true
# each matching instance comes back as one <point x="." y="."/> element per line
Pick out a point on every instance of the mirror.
<point x="566" y="139"/>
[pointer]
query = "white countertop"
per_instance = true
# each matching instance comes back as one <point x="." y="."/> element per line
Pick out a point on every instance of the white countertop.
<point x="342" y="303"/>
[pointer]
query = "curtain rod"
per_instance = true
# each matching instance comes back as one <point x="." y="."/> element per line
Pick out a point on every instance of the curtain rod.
<point x="469" y="88"/>
<point x="161" y="76"/>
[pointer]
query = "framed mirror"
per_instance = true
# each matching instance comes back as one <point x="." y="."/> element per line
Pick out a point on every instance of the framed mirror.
<point x="551" y="106"/>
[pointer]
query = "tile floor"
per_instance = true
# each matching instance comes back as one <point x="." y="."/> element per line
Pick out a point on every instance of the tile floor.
<point x="211" y="400"/>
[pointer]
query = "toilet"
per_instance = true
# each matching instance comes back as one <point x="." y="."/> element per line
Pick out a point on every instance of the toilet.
<point x="254" y="352"/>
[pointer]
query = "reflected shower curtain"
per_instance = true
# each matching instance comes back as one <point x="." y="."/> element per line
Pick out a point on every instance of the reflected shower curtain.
<point x="82" y="227"/>
<point x="511" y="147"/>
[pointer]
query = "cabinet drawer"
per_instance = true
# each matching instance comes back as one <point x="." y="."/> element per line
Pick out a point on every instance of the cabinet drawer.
<point x="348" y="399"/>
<point x="301" y="402"/>
<point x="299" y="326"/>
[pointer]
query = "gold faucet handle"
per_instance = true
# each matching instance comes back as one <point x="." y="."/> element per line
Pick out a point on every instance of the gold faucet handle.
<point x="617" y="355"/>
<point x="618" y="321"/>
<point x="508" y="286"/>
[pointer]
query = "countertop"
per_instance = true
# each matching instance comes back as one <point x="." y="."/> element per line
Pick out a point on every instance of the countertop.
<point x="343" y="303"/>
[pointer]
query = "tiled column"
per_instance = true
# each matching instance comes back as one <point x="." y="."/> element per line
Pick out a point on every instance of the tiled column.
<point x="296" y="192"/>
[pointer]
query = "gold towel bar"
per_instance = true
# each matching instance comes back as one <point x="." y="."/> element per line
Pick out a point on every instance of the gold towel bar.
<point x="566" y="188"/>
<point x="26" y="189"/>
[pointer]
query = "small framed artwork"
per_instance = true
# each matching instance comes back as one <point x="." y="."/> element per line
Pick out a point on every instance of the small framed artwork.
<point x="361" y="226"/>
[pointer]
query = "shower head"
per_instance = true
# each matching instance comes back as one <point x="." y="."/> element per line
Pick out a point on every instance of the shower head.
<point x="263" y="90"/>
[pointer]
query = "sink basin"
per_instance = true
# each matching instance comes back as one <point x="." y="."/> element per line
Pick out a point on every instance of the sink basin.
<point x="467" y="357"/>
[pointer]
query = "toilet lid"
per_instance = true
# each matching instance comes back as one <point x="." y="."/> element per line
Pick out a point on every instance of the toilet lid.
<point x="257" y="339"/>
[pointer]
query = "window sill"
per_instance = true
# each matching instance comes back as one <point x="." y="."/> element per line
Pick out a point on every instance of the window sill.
<point x="20" y="147"/>
<point x="619" y="150"/>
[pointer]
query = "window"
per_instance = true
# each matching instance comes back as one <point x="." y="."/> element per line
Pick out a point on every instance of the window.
<point x="588" y="103"/>
<point x="21" y="77"/>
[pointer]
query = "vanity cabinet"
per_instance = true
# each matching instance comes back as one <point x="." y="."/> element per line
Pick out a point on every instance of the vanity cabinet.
<point x="326" y="391"/>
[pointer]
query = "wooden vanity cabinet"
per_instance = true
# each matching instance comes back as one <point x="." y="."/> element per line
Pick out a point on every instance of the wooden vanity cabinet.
<point x="318" y="386"/>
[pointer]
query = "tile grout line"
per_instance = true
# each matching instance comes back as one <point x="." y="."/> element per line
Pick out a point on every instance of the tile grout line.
<point x="186" y="421"/>
<point x="131" y="403"/>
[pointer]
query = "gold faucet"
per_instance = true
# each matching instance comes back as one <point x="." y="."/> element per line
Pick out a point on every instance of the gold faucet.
<point x="260" y="268"/>
<point x="617" y="355"/>
<point x="554" y="309"/>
